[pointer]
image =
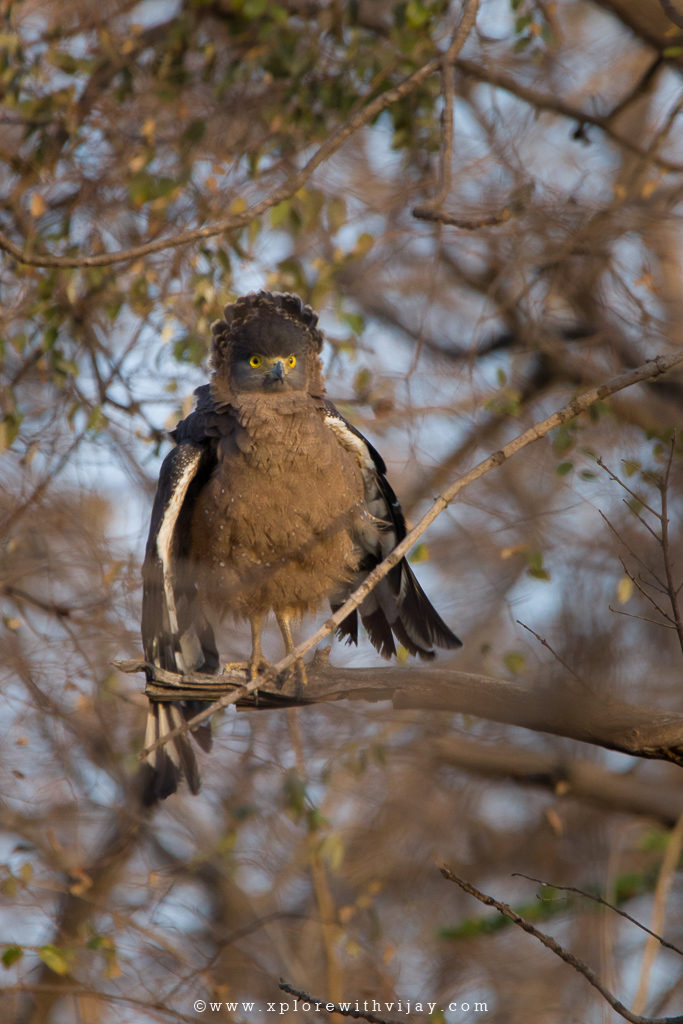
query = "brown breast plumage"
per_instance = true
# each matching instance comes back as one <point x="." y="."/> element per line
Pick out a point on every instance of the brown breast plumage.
<point x="272" y="528"/>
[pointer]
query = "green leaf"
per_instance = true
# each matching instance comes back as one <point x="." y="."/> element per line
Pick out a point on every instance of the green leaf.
<point x="254" y="8"/>
<point x="332" y="851"/>
<point x="294" y="789"/>
<point x="195" y="131"/>
<point x="523" y="22"/>
<point x="11" y="955"/>
<point x="9" y="428"/>
<point x="672" y="51"/>
<point x="563" y="440"/>
<point x="280" y="213"/>
<point x="536" y="567"/>
<point x="54" y="958"/>
<point x="514" y="662"/>
<point x="417" y="14"/>
<point x="355" y="321"/>
<point x="564" y="468"/>
<point x="420" y="553"/>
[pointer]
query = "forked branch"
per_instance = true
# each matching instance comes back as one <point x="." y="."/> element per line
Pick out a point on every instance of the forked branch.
<point x="564" y="954"/>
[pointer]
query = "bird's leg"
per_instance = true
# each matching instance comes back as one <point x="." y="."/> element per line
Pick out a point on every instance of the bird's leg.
<point x="257" y="662"/>
<point x="284" y="622"/>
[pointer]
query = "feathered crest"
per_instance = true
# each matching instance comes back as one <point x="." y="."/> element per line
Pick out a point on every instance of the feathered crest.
<point x="250" y="307"/>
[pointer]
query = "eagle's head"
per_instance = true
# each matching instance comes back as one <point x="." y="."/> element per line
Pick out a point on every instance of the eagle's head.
<point x="267" y="343"/>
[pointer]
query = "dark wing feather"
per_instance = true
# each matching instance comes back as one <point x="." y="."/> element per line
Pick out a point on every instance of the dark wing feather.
<point x="397" y="607"/>
<point x="176" y="635"/>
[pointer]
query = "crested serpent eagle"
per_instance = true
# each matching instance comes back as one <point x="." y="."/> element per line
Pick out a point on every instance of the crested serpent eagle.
<point x="270" y="501"/>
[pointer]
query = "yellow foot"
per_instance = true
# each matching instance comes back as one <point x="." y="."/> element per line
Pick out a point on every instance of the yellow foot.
<point x="236" y="666"/>
<point x="298" y="672"/>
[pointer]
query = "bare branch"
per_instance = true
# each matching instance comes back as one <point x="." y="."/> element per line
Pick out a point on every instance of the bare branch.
<point x="564" y="954"/>
<point x="570" y="711"/>
<point x="544" y="643"/>
<point x="672" y="589"/>
<point x="465" y="26"/>
<point x="428" y="212"/>
<point x="542" y="101"/>
<point x="603" y="903"/>
<point x="567" y="777"/>
<point x="329" y="1007"/>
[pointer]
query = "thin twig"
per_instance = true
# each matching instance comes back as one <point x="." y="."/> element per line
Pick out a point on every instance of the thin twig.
<point x="564" y="954"/>
<point x="613" y="476"/>
<point x="544" y="643"/>
<point x="465" y="25"/>
<point x="643" y="618"/>
<point x="493" y="76"/>
<point x="672" y="590"/>
<point x="639" y="583"/>
<point x="330" y="1007"/>
<point x="621" y="540"/>
<point x="603" y="903"/>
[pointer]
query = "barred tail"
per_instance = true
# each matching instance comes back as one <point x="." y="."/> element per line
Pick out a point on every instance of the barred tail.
<point x="165" y="765"/>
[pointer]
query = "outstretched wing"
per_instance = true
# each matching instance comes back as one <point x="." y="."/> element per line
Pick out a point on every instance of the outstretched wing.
<point x="175" y="633"/>
<point x="398" y="606"/>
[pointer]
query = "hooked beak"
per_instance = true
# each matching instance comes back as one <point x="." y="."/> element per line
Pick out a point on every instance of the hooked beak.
<point x="277" y="371"/>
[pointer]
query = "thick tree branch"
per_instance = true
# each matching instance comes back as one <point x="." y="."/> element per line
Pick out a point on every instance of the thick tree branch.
<point x="566" y="777"/>
<point x="564" y="954"/>
<point x="570" y="711"/>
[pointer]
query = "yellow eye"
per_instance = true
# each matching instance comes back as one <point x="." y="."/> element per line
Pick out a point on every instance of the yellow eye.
<point x="291" y="361"/>
<point x="255" y="362"/>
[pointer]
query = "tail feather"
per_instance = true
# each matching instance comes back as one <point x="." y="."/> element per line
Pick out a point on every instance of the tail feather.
<point x="398" y="607"/>
<point x="166" y="764"/>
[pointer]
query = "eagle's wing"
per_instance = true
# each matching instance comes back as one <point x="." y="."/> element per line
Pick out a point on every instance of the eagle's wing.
<point x="176" y="635"/>
<point x="398" y="606"/>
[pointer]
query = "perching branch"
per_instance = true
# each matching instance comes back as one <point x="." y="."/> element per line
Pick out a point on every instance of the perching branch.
<point x="567" y="710"/>
<point x="564" y="954"/>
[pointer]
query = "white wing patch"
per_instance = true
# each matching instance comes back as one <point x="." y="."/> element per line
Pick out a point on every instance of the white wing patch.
<point x="373" y="496"/>
<point x="164" y="542"/>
